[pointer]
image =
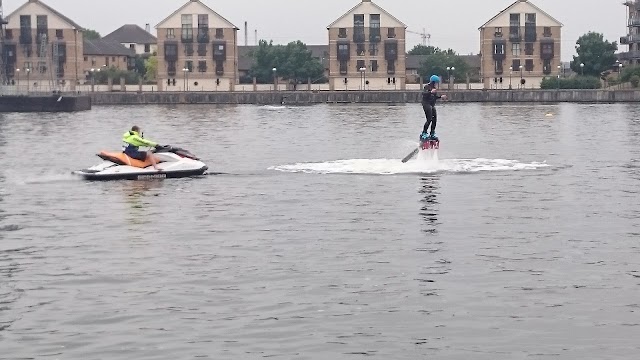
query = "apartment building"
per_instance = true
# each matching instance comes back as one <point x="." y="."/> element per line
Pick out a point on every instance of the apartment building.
<point x="632" y="39"/>
<point x="197" y="50"/>
<point x="520" y="46"/>
<point x="43" y="47"/>
<point x="367" y="50"/>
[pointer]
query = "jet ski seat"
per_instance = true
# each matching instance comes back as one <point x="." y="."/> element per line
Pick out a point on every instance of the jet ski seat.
<point x="121" y="158"/>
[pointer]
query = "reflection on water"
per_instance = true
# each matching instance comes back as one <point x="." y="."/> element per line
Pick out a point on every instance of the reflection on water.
<point x="429" y="211"/>
<point x="136" y="195"/>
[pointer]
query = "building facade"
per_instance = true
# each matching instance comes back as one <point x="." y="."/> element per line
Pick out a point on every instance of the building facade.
<point x="367" y="50"/>
<point x="133" y="37"/>
<point x="197" y="50"/>
<point x="632" y="39"/>
<point x="100" y="54"/>
<point x="43" y="48"/>
<point x="520" y="46"/>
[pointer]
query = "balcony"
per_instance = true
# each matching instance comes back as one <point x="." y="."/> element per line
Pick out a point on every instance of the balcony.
<point x="634" y="21"/>
<point x="25" y="37"/>
<point x="219" y="71"/>
<point x="374" y="35"/>
<point x="358" y="35"/>
<point x="219" y="50"/>
<point x="171" y="71"/>
<point x="186" y="36"/>
<point x="499" y="56"/>
<point x="515" y="37"/>
<point x="203" y="36"/>
<point x="546" y="70"/>
<point x="171" y="51"/>
<point x="630" y="55"/>
<point x="624" y="40"/>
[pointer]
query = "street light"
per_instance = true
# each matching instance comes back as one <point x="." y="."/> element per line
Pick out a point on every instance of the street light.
<point x="619" y="74"/>
<point x="449" y="71"/>
<point x="363" y="78"/>
<point x="521" y="76"/>
<point x="582" y="68"/>
<point x="275" y="78"/>
<point x="559" y="67"/>
<point x="18" y="76"/>
<point x="28" y="72"/>
<point x="185" y="80"/>
<point x="510" y="73"/>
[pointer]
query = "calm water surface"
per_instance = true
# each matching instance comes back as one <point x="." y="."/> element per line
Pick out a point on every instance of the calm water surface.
<point x="521" y="241"/>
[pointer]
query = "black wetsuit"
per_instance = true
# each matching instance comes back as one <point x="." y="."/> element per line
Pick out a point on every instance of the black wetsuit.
<point x="429" y="107"/>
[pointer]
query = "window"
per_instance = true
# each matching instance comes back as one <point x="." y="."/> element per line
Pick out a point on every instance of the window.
<point x="171" y="68"/>
<point x="27" y="50"/>
<point x="86" y="58"/>
<point x="219" y="33"/>
<point x="106" y="61"/>
<point x="515" y="65"/>
<point x="132" y="46"/>
<point x="25" y="21"/>
<point x="360" y="50"/>
<point x="125" y="59"/>
<point x="530" y="18"/>
<point x="42" y="21"/>
<point x="202" y="49"/>
<point x="547" y="31"/>
<point x="498" y="32"/>
<point x="8" y="34"/>
<point x="359" y="65"/>
<point x="498" y="49"/>
<point x="514" y="20"/>
<point x="28" y="65"/>
<point x="202" y="66"/>
<point x="373" y="49"/>
<point x="528" y="64"/>
<point x="358" y="20"/>
<point x="342" y="33"/>
<point x="343" y="67"/>
<point x="188" y="65"/>
<point x="93" y="61"/>
<point x="391" y="33"/>
<point x="188" y="49"/>
<point x="203" y="21"/>
<point x="515" y="49"/>
<point x="59" y="34"/>
<point x="374" y="65"/>
<point x="391" y="69"/>
<point x="42" y="67"/>
<point x="374" y="21"/>
<point x="498" y="67"/>
<point x="171" y="34"/>
<point x="113" y="59"/>
<point x="219" y="67"/>
<point x="528" y="49"/>
<point x="187" y="27"/>
<point x="547" y="49"/>
<point x="546" y="66"/>
<point x="147" y="48"/>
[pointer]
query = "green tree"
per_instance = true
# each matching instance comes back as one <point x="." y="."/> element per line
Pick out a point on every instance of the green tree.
<point x="436" y="64"/>
<point x="595" y="53"/>
<point x="91" y="34"/>
<point x="429" y="50"/>
<point x="151" y="67"/>
<point x="635" y="81"/>
<point x="297" y="63"/>
<point x="264" y="60"/>
<point x="139" y="65"/>
<point x="293" y="62"/>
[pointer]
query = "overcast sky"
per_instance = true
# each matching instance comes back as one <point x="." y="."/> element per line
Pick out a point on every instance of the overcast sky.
<point x="452" y="23"/>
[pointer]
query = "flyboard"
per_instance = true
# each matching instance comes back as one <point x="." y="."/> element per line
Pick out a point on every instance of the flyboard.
<point x="425" y="144"/>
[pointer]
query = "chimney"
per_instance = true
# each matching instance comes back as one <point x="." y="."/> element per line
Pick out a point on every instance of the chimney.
<point x="147" y="28"/>
<point x="246" y="34"/>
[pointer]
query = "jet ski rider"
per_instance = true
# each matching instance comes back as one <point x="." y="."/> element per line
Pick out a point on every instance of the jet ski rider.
<point x="133" y="140"/>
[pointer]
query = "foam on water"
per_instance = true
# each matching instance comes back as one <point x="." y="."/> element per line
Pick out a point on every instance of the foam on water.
<point x="421" y="165"/>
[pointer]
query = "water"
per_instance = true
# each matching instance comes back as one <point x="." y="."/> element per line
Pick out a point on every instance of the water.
<point x="520" y="241"/>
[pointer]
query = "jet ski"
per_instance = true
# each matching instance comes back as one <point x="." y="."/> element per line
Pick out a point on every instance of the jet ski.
<point x="174" y="163"/>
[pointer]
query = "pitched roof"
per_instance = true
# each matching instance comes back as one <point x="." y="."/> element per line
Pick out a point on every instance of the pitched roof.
<point x="187" y="4"/>
<point x="372" y="3"/>
<point x="49" y="8"/>
<point x="106" y="47"/>
<point x="245" y="60"/>
<point x="131" y="33"/>
<point x="516" y="3"/>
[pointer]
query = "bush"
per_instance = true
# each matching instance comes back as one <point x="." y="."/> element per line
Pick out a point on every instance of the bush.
<point x="635" y="80"/>
<point x="577" y="82"/>
<point x="628" y="72"/>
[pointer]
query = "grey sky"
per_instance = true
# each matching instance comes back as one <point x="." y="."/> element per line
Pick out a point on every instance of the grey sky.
<point x="452" y="23"/>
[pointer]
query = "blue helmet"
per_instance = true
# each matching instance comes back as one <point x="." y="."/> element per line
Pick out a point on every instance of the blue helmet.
<point x="435" y="79"/>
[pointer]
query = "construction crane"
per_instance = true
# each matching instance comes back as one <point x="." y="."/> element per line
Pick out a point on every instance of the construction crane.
<point x="426" y="37"/>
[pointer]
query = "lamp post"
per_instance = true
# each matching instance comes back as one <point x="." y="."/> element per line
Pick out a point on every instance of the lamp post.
<point x="185" y="80"/>
<point x="582" y="68"/>
<point x="93" y="79"/>
<point x="275" y="78"/>
<point x="28" y="72"/>
<point x="18" y="78"/>
<point x="363" y="78"/>
<point x="449" y="71"/>
<point x="559" y="67"/>
<point x="620" y="74"/>
<point x="521" y="77"/>
<point x="510" y="74"/>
